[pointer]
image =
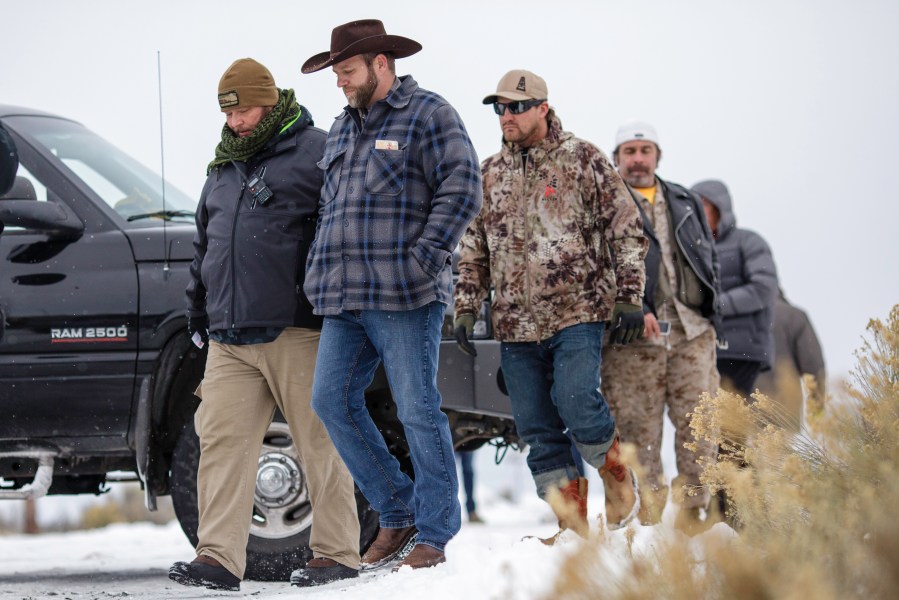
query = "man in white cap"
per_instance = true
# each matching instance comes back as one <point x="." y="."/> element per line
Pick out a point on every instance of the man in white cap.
<point x="554" y="213"/>
<point x="674" y="362"/>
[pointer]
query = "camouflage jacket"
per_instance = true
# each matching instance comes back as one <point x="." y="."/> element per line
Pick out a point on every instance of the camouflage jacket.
<point x="560" y="239"/>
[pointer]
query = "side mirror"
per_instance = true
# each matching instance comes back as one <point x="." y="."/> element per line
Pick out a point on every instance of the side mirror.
<point x="21" y="189"/>
<point x="49" y="217"/>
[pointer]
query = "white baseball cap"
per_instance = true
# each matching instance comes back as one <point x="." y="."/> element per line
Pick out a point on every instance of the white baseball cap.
<point x="636" y="130"/>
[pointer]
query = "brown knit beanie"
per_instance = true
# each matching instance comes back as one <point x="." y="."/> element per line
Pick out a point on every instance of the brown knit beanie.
<point x="247" y="83"/>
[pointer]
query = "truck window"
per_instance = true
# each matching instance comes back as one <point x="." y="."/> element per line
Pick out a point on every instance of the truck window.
<point x="124" y="184"/>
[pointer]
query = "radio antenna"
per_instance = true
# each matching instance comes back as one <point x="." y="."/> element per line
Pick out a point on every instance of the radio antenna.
<point x="165" y="218"/>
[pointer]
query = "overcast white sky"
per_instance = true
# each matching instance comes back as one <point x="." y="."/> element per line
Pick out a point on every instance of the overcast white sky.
<point x="792" y="104"/>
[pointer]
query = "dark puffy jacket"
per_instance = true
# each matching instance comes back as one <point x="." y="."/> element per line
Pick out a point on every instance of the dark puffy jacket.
<point x="696" y="250"/>
<point x="249" y="261"/>
<point x="748" y="283"/>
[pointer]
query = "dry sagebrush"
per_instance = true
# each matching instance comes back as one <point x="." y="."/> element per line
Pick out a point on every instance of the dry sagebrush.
<point x="817" y="502"/>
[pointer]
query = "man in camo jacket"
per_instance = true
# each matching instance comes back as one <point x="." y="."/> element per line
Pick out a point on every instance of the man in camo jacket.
<point x="554" y="211"/>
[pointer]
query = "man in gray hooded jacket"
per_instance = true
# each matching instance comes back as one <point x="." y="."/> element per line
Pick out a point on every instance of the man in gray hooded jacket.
<point x="748" y="291"/>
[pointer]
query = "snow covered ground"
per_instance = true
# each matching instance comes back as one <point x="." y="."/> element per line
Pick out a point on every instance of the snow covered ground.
<point x="485" y="561"/>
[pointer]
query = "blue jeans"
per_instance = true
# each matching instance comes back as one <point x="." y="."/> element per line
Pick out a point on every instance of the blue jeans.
<point x="465" y="458"/>
<point x="554" y="385"/>
<point x="352" y="346"/>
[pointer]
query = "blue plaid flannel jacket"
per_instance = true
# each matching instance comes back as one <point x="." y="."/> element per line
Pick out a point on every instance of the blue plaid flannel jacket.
<point x="399" y="190"/>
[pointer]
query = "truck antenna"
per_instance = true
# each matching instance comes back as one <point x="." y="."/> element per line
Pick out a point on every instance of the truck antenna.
<point x="165" y="265"/>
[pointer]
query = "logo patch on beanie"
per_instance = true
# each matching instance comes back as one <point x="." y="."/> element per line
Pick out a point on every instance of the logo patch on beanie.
<point x="520" y="87"/>
<point x="227" y="99"/>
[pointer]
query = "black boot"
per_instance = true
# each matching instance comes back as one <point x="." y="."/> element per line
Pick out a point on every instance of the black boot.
<point x="320" y="571"/>
<point x="206" y="572"/>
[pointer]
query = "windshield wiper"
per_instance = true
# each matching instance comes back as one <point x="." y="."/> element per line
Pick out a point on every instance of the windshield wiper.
<point x="168" y="215"/>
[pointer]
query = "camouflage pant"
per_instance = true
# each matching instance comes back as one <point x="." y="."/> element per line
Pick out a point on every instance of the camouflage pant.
<point x="638" y="381"/>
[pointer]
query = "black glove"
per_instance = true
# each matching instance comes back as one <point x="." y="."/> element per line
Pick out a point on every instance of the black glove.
<point x="463" y="325"/>
<point x="198" y="325"/>
<point x="626" y="324"/>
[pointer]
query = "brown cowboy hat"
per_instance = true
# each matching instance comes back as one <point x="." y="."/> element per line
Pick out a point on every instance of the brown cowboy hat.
<point x="359" y="37"/>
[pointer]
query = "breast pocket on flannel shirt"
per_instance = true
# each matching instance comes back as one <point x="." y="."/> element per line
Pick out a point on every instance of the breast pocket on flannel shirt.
<point x="385" y="173"/>
<point x="331" y="165"/>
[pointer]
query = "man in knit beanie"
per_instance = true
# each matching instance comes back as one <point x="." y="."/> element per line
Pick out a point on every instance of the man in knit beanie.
<point x="255" y="221"/>
<point x="247" y="83"/>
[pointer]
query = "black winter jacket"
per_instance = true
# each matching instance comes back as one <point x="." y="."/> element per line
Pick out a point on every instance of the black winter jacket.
<point x="797" y="350"/>
<point x="748" y="283"/>
<point x="249" y="260"/>
<point x="695" y="244"/>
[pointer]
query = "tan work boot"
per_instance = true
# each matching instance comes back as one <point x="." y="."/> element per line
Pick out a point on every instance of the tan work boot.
<point x="689" y="520"/>
<point x="622" y="496"/>
<point x="570" y="507"/>
<point x="652" y="504"/>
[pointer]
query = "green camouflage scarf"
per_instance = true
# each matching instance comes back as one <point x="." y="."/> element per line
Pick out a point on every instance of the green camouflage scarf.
<point x="234" y="147"/>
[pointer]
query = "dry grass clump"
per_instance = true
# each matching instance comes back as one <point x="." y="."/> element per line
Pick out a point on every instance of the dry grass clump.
<point x="816" y="503"/>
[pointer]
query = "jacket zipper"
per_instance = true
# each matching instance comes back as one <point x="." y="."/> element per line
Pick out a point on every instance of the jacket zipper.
<point x="243" y="186"/>
<point x="527" y="241"/>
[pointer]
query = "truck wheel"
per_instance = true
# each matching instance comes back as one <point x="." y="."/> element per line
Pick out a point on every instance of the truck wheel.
<point x="282" y="514"/>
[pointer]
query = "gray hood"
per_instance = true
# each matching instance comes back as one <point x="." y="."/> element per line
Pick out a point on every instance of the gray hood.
<point x="716" y="192"/>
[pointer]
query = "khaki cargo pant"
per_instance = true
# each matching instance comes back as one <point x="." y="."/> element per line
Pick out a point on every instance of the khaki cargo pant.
<point x="638" y="381"/>
<point x="240" y="390"/>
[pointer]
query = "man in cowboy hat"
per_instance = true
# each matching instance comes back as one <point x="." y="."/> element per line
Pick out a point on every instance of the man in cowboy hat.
<point x="243" y="299"/>
<point x="401" y="184"/>
<point x="555" y="213"/>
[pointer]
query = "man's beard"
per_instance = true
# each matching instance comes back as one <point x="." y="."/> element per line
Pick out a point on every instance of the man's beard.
<point x="640" y="179"/>
<point x="518" y="135"/>
<point x="363" y="95"/>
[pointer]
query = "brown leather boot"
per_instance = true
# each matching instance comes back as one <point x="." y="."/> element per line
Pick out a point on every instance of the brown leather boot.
<point x="389" y="544"/>
<point x="570" y="509"/>
<point x="421" y="557"/>
<point x="622" y="496"/>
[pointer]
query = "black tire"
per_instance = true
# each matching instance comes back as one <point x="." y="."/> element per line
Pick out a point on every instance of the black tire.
<point x="279" y="533"/>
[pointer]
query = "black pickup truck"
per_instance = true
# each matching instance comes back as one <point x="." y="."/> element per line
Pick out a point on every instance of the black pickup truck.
<point x="97" y="372"/>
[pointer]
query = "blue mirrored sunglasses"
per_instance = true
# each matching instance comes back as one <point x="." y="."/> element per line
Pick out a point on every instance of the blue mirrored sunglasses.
<point x="516" y="108"/>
